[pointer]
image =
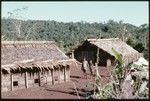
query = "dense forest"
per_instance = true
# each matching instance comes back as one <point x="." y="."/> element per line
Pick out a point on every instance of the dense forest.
<point x="69" y="35"/>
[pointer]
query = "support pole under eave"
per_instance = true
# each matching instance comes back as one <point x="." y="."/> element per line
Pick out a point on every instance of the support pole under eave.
<point x="59" y="74"/>
<point x="39" y="78"/>
<point x="97" y="62"/>
<point x="26" y="80"/>
<point x="68" y="68"/>
<point x="64" y="74"/>
<point x="97" y="56"/>
<point x="72" y="54"/>
<point x="52" y="75"/>
<point x="109" y="65"/>
<point x="11" y="83"/>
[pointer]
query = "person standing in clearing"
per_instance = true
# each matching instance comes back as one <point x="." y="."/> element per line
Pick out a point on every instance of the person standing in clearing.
<point x="84" y="68"/>
<point x="91" y="67"/>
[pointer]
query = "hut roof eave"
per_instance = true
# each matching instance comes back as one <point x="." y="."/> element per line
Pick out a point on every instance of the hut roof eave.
<point x="49" y="64"/>
<point x="27" y="42"/>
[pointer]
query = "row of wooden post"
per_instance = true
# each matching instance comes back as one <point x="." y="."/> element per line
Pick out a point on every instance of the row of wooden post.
<point x="26" y="78"/>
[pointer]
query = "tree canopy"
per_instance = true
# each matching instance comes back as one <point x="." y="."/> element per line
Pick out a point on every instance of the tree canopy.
<point x="69" y="35"/>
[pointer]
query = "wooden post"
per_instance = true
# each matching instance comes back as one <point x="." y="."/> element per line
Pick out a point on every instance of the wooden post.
<point x="26" y="80"/>
<point x="39" y="78"/>
<point x="96" y="70"/>
<point x="97" y="56"/>
<point x="64" y="74"/>
<point x="67" y="70"/>
<point x="11" y="83"/>
<point x="59" y="75"/>
<point x="68" y="73"/>
<point x="46" y="76"/>
<point x="72" y="54"/>
<point x="52" y="75"/>
<point x="109" y="67"/>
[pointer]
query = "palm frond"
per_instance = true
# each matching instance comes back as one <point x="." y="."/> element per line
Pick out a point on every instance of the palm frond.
<point x="117" y="56"/>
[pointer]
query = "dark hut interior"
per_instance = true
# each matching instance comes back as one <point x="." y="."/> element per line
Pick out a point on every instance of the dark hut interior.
<point x="89" y="52"/>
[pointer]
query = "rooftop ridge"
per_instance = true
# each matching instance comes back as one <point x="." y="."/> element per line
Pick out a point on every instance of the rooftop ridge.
<point x="27" y="42"/>
<point x="103" y="39"/>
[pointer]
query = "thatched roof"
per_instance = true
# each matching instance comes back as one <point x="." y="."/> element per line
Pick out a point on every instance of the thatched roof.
<point x="20" y="55"/>
<point x="13" y="51"/>
<point x="129" y="54"/>
<point x="116" y="43"/>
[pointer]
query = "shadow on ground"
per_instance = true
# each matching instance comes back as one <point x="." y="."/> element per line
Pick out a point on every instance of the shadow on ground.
<point x="72" y="76"/>
<point x="81" y="92"/>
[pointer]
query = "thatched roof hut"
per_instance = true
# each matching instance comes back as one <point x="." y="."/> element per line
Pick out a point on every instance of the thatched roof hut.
<point x="129" y="54"/>
<point x="20" y="56"/>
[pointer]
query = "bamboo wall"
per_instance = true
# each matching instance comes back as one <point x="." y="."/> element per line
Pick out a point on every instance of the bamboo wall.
<point x="28" y="80"/>
<point x="5" y="83"/>
<point x="31" y="78"/>
<point x="20" y="79"/>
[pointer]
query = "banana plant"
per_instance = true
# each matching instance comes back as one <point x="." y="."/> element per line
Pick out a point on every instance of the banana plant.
<point x="119" y="69"/>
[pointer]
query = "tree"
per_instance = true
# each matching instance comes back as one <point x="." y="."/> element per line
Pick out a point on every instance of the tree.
<point x="16" y="19"/>
<point x="139" y="47"/>
<point x="130" y="41"/>
<point x="72" y="34"/>
<point x="143" y="31"/>
<point x="122" y="30"/>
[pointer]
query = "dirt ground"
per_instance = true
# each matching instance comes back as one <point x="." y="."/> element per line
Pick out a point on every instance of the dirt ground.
<point x="58" y="91"/>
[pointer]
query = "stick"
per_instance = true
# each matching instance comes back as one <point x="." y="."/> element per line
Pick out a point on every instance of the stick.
<point x="76" y="90"/>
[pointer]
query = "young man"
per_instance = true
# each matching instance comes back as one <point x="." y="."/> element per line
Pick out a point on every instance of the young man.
<point x="91" y="67"/>
<point x="84" y="68"/>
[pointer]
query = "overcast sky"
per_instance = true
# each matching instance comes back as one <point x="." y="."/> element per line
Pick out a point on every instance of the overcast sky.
<point x="135" y="12"/>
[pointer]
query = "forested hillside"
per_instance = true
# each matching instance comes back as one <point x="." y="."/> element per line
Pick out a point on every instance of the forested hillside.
<point x="69" y="35"/>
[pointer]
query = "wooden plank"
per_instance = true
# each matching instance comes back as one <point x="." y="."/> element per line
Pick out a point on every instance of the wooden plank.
<point x="11" y="83"/>
<point x="26" y="80"/>
<point x="52" y="75"/>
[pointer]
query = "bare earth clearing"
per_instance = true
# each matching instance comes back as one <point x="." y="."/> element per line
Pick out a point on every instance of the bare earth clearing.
<point x="57" y="91"/>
